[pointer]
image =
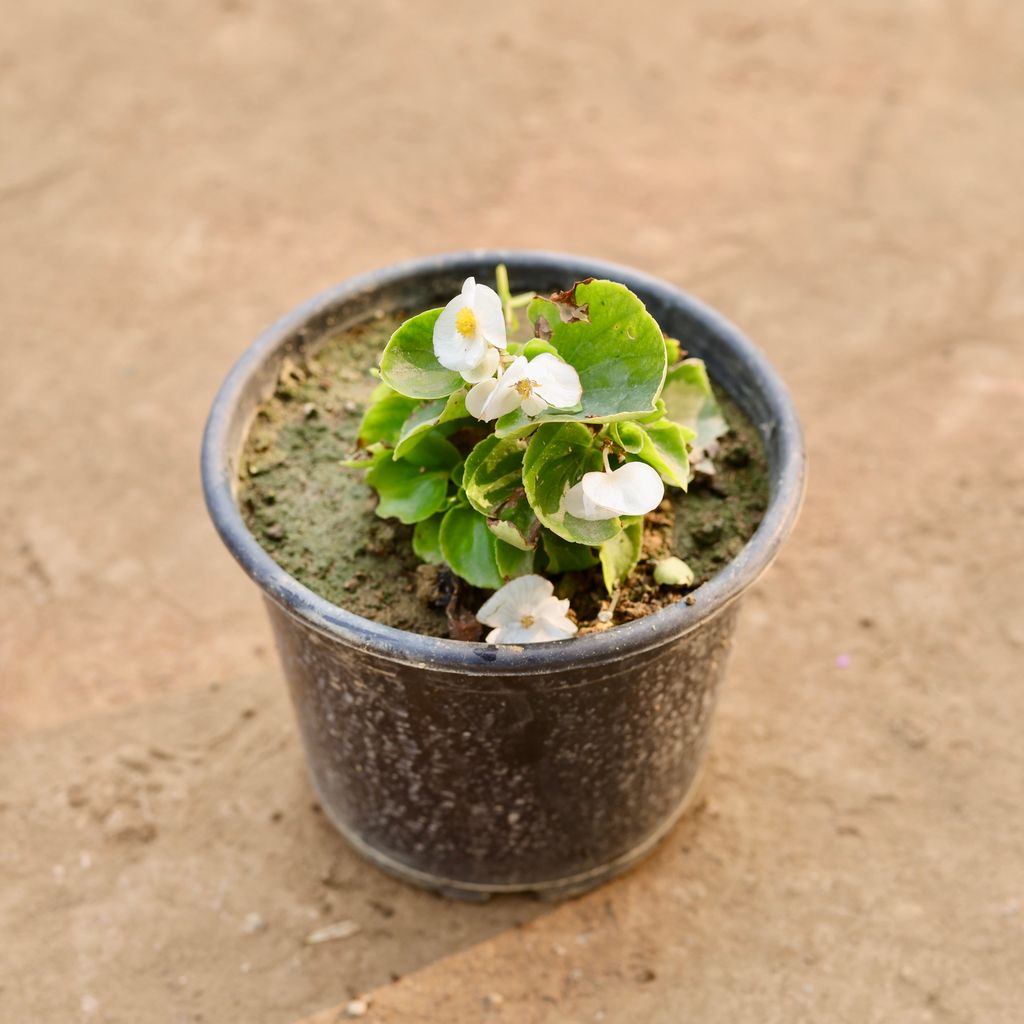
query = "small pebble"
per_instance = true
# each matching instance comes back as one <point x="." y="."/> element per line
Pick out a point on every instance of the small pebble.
<point x="253" y="923"/>
<point x="330" y="932"/>
<point x="357" y="1008"/>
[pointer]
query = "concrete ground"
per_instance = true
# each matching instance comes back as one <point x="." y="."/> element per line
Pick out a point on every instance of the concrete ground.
<point x="843" y="180"/>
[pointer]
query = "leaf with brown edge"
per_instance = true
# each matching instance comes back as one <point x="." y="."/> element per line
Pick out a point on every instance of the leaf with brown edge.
<point x="568" y="309"/>
<point x="619" y="354"/>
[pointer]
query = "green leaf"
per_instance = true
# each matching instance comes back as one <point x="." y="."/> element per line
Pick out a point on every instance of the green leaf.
<point x="383" y="420"/>
<point x="628" y="435"/>
<point x="470" y="548"/>
<point x="620" y="555"/>
<point x="662" y="444"/>
<point x="427" y="415"/>
<point x="660" y="411"/>
<point x="690" y="401"/>
<point x="618" y="352"/>
<point x="556" y="458"/>
<point x="673" y="349"/>
<point x="510" y="534"/>
<point x="494" y="469"/>
<point x="564" y="556"/>
<point x="415" y="486"/>
<point x="493" y="480"/>
<point x="409" y="365"/>
<point x="673" y="572"/>
<point x="367" y="458"/>
<point x="426" y="540"/>
<point x="537" y="346"/>
<point x="512" y="561"/>
<point x="667" y="449"/>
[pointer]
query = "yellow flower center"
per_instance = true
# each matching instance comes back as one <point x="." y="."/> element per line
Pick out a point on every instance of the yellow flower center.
<point x="527" y="621"/>
<point x="525" y="387"/>
<point x="465" y="322"/>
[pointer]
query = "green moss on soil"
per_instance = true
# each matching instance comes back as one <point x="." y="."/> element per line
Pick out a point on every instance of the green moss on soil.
<point x="316" y="518"/>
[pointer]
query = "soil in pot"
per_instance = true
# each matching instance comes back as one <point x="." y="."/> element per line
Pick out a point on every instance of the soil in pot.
<point x="315" y="518"/>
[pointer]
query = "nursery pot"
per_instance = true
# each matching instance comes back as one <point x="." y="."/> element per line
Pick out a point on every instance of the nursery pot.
<point x="471" y="769"/>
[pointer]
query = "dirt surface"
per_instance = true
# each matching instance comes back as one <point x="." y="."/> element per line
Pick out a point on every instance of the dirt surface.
<point x="174" y="866"/>
<point x="311" y="514"/>
<point x="842" y="180"/>
<point x="316" y="518"/>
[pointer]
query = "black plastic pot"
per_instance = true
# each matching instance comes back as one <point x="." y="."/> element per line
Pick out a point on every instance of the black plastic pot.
<point x="472" y="769"/>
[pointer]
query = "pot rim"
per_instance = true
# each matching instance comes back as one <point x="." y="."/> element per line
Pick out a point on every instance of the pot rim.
<point x="787" y="484"/>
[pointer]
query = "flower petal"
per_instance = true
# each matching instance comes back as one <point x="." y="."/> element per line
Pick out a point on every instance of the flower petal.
<point x="558" y="383"/>
<point x="530" y="598"/>
<point x="631" y="490"/>
<point x="503" y="399"/>
<point x="458" y="353"/>
<point x="453" y="351"/>
<point x="534" y="405"/>
<point x="486" y="368"/>
<point x="517" y="370"/>
<point x="444" y="327"/>
<point x="542" y="631"/>
<point x="468" y="291"/>
<point x="577" y="503"/>
<point x="553" y="610"/>
<point x="490" y="316"/>
<point x="554" y="629"/>
<point x="476" y="400"/>
<point x="517" y="598"/>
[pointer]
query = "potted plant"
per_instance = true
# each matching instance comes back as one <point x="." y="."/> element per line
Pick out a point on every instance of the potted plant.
<point x="558" y="730"/>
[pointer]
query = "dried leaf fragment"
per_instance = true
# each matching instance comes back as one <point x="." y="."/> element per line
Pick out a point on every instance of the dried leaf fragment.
<point x="568" y="310"/>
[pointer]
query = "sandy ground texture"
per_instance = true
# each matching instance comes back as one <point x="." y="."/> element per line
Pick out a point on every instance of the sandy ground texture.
<point x="843" y="180"/>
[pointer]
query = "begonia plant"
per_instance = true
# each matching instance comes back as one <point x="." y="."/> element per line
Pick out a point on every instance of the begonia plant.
<point x="518" y="459"/>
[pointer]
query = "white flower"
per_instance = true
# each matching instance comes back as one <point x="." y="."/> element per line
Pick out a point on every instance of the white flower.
<point x="485" y="369"/>
<point x="467" y="329"/>
<point x="526" y="611"/>
<point x="535" y="385"/>
<point x="631" y="490"/>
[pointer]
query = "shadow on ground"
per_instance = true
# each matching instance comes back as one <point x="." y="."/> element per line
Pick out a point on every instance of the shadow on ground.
<point x="177" y="848"/>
